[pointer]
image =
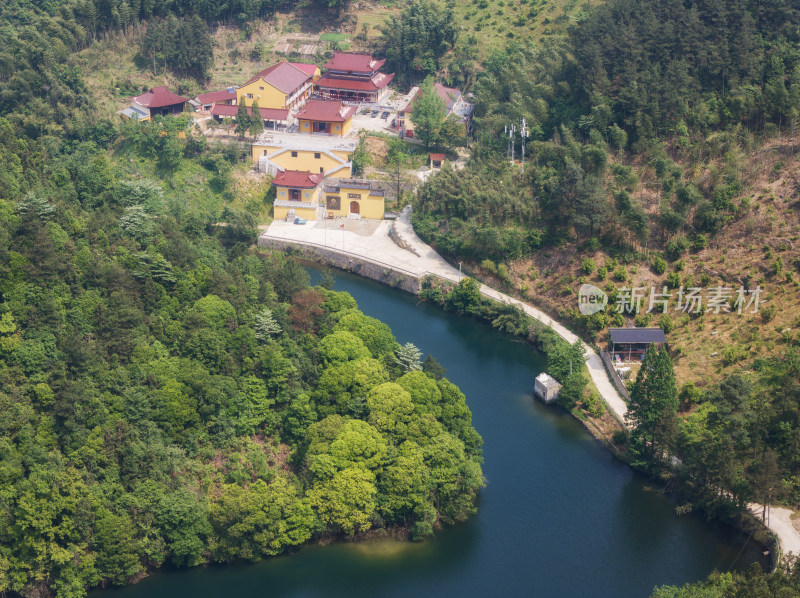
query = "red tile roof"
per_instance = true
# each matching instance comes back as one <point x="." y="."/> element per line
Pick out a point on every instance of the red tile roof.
<point x="215" y="96"/>
<point x="266" y="113"/>
<point x="354" y="62"/>
<point x="159" y="97"/>
<point x="308" y="69"/>
<point x="327" y="111"/>
<point x="283" y="76"/>
<point x="449" y="95"/>
<point x="379" y="81"/>
<point x="437" y="157"/>
<point x="302" y="179"/>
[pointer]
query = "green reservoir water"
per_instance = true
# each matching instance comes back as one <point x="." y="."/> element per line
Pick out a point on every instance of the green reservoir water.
<point x="559" y="517"/>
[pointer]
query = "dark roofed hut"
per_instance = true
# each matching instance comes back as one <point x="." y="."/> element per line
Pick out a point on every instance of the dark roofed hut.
<point x="627" y="344"/>
<point x="160" y="101"/>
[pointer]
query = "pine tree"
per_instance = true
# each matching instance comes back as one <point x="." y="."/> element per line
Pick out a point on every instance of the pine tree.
<point x="653" y="407"/>
<point x="242" y="120"/>
<point x="265" y="325"/>
<point x="256" y="122"/>
<point x="409" y="357"/>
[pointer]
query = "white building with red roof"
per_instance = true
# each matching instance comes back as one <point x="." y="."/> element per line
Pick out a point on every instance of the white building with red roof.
<point x="206" y="101"/>
<point x="353" y="77"/>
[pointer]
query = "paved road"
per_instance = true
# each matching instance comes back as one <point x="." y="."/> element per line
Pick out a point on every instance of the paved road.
<point x="372" y="241"/>
<point x="779" y="521"/>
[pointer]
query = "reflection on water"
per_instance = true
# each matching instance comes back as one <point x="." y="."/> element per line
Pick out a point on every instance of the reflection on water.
<point x="559" y="515"/>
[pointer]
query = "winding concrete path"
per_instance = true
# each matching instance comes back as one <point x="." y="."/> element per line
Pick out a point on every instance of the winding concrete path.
<point x="780" y="522"/>
<point x="372" y="241"/>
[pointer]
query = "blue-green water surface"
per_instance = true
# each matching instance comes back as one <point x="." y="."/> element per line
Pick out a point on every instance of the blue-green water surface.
<point x="559" y="516"/>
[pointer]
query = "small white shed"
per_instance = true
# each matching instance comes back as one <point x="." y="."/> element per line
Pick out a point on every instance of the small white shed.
<point x="546" y="388"/>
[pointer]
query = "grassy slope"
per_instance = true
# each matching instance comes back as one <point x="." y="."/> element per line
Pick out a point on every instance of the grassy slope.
<point x="706" y="347"/>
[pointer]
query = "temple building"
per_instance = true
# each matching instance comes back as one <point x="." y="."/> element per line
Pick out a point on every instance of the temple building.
<point x="297" y="195"/>
<point x="331" y="156"/>
<point x="325" y="118"/>
<point x="283" y="86"/>
<point x="354" y="198"/>
<point x="302" y="194"/>
<point x="352" y="77"/>
<point x="272" y="118"/>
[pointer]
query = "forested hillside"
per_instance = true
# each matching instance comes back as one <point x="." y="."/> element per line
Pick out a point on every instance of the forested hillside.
<point x="169" y="396"/>
<point x="661" y="155"/>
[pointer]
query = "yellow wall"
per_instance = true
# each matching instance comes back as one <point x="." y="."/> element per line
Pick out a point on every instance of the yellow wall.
<point x="307" y="195"/>
<point x="269" y="97"/>
<point x="305" y="160"/>
<point x="280" y="213"/>
<point x="336" y="129"/>
<point x="371" y="206"/>
<point x="346" y="126"/>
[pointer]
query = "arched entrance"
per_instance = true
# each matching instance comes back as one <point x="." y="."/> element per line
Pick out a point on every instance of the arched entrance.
<point x="355" y="208"/>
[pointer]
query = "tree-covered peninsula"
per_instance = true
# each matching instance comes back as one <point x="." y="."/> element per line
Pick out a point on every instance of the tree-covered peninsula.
<point x="166" y="398"/>
<point x="168" y="395"/>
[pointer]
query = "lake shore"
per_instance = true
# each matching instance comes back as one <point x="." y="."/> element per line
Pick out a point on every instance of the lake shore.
<point x="391" y="253"/>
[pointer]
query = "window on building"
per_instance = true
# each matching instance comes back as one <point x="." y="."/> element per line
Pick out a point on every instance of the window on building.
<point x="294" y="154"/>
<point x="321" y="169"/>
<point x="261" y="88"/>
<point x="294" y="194"/>
<point x="265" y="152"/>
<point x="317" y="155"/>
<point x="249" y="96"/>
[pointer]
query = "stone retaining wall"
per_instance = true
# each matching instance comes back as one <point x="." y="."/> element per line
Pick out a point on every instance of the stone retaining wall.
<point x="385" y="274"/>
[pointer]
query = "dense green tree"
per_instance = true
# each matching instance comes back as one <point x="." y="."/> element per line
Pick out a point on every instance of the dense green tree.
<point x="416" y="40"/>
<point x="256" y="122"/>
<point x="262" y="519"/>
<point x="428" y="113"/>
<point x="347" y="501"/>
<point x="183" y="46"/>
<point x="242" y="120"/>
<point x="653" y="406"/>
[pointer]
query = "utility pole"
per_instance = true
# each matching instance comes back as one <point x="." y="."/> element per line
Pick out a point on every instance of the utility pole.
<point x="524" y="133"/>
<point x="510" y="131"/>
